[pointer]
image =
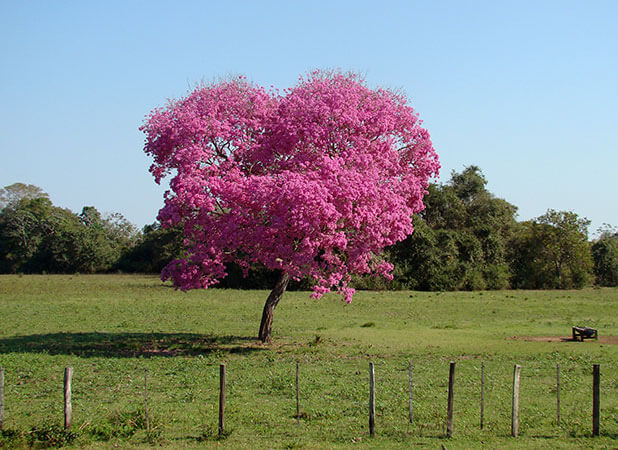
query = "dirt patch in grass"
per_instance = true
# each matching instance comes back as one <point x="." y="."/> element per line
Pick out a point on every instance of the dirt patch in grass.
<point x="612" y="340"/>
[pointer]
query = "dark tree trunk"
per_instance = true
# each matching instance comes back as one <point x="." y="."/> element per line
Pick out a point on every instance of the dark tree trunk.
<point x="269" y="308"/>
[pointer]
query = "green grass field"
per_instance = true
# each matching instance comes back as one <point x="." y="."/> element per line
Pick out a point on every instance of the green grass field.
<point x="111" y="328"/>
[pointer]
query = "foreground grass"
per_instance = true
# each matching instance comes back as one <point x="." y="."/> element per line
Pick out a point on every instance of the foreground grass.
<point x="112" y="328"/>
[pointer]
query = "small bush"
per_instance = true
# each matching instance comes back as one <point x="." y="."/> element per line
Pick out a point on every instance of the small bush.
<point x="49" y="435"/>
<point x="124" y="424"/>
<point x="11" y="439"/>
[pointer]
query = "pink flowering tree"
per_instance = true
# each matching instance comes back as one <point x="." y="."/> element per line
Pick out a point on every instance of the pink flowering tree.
<point x="313" y="182"/>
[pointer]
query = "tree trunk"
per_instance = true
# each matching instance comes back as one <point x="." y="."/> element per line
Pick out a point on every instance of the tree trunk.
<point x="269" y="308"/>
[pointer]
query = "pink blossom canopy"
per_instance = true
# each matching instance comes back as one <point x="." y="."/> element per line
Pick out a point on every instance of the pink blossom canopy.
<point x="315" y="181"/>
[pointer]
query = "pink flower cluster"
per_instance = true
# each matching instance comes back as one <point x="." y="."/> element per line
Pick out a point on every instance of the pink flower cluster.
<point x="315" y="181"/>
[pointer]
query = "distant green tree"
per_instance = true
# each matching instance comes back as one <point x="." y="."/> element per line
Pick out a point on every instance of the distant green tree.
<point x="605" y="257"/>
<point x="36" y="237"/>
<point x="529" y="268"/>
<point x="105" y="239"/>
<point x="417" y="259"/>
<point x="155" y="248"/>
<point x="20" y="233"/>
<point x="14" y="193"/>
<point x="552" y="252"/>
<point x="62" y="242"/>
<point x="460" y="239"/>
<point x="21" y="229"/>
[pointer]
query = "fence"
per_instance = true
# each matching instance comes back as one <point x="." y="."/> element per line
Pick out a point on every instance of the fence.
<point x="372" y="389"/>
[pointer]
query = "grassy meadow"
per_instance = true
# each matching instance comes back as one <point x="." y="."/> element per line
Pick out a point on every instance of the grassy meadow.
<point x="111" y="328"/>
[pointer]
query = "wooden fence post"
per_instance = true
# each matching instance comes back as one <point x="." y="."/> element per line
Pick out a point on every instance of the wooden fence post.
<point x="221" y="399"/>
<point x="596" y="399"/>
<point x="146" y="400"/>
<point x="1" y="398"/>
<point x="68" y="408"/>
<point x="449" y="414"/>
<point x="558" y="394"/>
<point x="297" y="396"/>
<point x="411" y="409"/>
<point x="515" y="411"/>
<point x="372" y="402"/>
<point x="482" y="394"/>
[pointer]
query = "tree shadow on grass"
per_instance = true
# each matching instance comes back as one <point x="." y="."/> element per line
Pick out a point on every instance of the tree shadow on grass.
<point x="128" y="345"/>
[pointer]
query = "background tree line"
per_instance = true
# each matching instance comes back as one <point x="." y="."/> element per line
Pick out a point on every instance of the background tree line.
<point x="38" y="237"/>
<point x="465" y="239"/>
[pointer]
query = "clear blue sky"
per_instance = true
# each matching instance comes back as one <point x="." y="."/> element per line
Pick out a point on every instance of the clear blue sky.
<point x="526" y="90"/>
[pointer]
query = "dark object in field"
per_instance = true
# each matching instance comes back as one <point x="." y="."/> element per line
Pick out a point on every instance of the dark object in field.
<point x="584" y="333"/>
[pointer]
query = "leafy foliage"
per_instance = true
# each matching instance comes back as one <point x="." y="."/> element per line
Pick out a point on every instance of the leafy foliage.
<point x="124" y="424"/>
<point x="155" y="248"/>
<point x="551" y="252"/>
<point x="36" y="236"/>
<point x="50" y="435"/>
<point x="460" y="239"/>
<point x="605" y="256"/>
<point x="466" y="239"/>
<point x="314" y="182"/>
<point x="16" y="192"/>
